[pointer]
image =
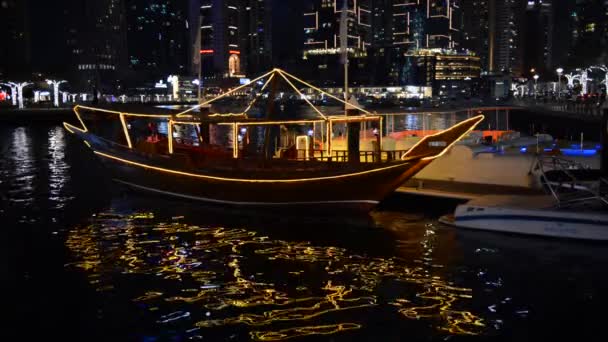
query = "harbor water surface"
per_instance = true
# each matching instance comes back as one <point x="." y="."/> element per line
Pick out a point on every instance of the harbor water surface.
<point x="86" y="260"/>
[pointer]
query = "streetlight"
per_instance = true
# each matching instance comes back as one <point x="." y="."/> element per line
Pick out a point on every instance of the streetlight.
<point x="560" y="71"/>
<point x="536" y="77"/>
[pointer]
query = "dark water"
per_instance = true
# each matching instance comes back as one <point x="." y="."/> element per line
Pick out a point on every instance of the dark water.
<point x="89" y="262"/>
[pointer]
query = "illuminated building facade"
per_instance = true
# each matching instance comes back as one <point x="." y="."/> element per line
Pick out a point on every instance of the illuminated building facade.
<point x="400" y="26"/>
<point x="15" y="54"/>
<point x="427" y="23"/>
<point x="322" y="49"/>
<point x="158" y="36"/>
<point x="222" y="33"/>
<point x="449" y="73"/>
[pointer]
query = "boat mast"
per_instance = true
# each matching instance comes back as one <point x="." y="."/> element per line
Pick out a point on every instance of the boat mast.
<point x="200" y="59"/>
<point x="270" y="109"/>
<point x="344" y="48"/>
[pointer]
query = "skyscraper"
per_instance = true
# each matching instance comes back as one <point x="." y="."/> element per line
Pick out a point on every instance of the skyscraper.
<point x="383" y="52"/>
<point x="589" y="33"/>
<point x="539" y="51"/>
<point x="506" y="24"/>
<point x="222" y="38"/>
<point x="257" y="40"/>
<point x="493" y="29"/>
<point x="476" y="30"/>
<point x="158" y="37"/>
<point x="15" y="54"/>
<point x="427" y="23"/>
<point x="97" y="43"/>
<point x="401" y="26"/>
<point x="322" y="49"/>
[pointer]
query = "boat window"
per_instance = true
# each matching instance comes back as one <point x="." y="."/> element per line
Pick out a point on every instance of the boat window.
<point x="186" y="135"/>
<point x="146" y="130"/>
<point x="469" y="209"/>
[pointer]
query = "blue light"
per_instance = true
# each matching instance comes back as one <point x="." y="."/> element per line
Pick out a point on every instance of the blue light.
<point x="579" y="152"/>
<point x="523" y="149"/>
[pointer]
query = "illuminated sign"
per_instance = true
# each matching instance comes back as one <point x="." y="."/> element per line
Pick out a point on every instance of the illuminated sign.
<point x="244" y="81"/>
<point x="206" y="52"/>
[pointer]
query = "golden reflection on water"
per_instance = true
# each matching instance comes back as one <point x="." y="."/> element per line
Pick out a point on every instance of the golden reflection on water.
<point x="208" y="278"/>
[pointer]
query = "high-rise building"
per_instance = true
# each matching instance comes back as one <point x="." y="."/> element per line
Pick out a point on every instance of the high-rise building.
<point x="589" y="33"/>
<point x="539" y="36"/>
<point x="476" y="30"/>
<point x="15" y="54"/>
<point x="493" y="29"/>
<point x="383" y="52"/>
<point x="401" y="26"/>
<point x="322" y="39"/>
<point x="158" y="37"/>
<point x="287" y="24"/>
<point x="257" y="39"/>
<point x="96" y="43"/>
<point x="235" y="38"/>
<point x="548" y="35"/>
<point x="222" y="35"/>
<point x="505" y="48"/>
<point x="427" y="24"/>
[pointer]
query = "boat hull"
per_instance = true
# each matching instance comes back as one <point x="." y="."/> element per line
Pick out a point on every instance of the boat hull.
<point x="357" y="191"/>
<point x="550" y="223"/>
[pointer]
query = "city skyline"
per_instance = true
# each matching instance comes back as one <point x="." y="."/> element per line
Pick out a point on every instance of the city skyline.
<point x="126" y="43"/>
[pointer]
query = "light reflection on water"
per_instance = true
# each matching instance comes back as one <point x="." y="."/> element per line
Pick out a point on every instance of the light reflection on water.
<point x="59" y="175"/>
<point x="203" y="280"/>
<point x="21" y="172"/>
<point x="211" y="277"/>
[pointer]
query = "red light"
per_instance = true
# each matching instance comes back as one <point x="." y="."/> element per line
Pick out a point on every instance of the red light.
<point x="2" y="96"/>
<point x="235" y="52"/>
<point x="206" y="52"/>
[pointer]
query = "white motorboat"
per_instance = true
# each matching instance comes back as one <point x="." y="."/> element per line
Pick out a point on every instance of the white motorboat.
<point x="575" y="207"/>
<point x="531" y="215"/>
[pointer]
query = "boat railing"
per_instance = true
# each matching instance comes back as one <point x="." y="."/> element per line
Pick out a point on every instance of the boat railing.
<point x="570" y="182"/>
<point x="342" y="156"/>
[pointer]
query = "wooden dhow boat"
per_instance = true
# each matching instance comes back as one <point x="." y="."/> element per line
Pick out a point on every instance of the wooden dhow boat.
<point x="239" y="160"/>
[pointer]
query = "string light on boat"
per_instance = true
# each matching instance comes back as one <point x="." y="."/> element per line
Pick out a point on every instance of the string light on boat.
<point x="244" y="180"/>
<point x="472" y="121"/>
